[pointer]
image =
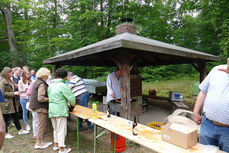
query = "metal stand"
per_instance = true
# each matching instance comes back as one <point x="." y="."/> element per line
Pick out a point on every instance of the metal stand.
<point x="99" y="134"/>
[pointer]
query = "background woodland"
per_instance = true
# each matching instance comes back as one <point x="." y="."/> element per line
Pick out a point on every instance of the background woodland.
<point x="33" y="30"/>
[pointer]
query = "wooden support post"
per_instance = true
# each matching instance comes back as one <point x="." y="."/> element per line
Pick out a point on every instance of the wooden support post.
<point x="125" y="88"/>
<point x="123" y="62"/>
<point x="201" y="68"/>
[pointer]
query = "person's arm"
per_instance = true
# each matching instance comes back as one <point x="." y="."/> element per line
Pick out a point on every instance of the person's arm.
<point x="198" y="106"/>
<point x="68" y="94"/>
<point x="41" y="94"/>
<point x="5" y="93"/>
<point x="21" y="87"/>
<point x="109" y="86"/>
<point x="2" y="99"/>
<point x="2" y="129"/>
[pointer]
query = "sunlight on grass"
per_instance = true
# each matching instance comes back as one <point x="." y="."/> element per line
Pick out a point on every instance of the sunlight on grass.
<point x="182" y="85"/>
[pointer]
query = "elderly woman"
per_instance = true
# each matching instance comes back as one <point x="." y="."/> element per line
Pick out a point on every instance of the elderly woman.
<point x="39" y="102"/>
<point x="9" y="106"/>
<point x="59" y="96"/>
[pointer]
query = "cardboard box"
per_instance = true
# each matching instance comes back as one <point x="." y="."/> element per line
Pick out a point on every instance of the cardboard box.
<point x="180" y="135"/>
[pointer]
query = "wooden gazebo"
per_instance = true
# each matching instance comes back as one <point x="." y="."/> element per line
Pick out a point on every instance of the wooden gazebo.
<point x="127" y="50"/>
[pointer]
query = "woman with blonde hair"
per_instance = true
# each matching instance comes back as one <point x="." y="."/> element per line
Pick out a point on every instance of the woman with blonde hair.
<point x="23" y="86"/>
<point x="39" y="102"/>
<point x="9" y="106"/>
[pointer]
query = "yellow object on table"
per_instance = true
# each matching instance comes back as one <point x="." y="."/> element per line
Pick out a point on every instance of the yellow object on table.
<point x="94" y="108"/>
<point x="155" y="125"/>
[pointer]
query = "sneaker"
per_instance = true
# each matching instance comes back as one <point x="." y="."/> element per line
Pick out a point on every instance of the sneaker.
<point x="8" y="136"/>
<point x="57" y="148"/>
<point x="65" y="150"/>
<point x="23" y="132"/>
<point x="47" y="143"/>
<point x="43" y="146"/>
<point x="28" y="128"/>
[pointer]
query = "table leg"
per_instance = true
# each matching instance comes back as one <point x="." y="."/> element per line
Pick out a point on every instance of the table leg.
<point x="114" y="137"/>
<point x="78" y="136"/>
<point x="95" y="137"/>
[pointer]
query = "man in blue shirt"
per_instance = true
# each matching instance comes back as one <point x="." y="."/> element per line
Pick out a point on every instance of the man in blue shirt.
<point x="33" y="75"/>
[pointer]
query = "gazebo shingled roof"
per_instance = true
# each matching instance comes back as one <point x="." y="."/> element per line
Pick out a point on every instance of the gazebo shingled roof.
<point x="148" y="53"/>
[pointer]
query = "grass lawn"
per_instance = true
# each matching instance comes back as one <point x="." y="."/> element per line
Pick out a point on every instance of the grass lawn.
<point x="25" y="143"/>
<point x="182" y="85"/>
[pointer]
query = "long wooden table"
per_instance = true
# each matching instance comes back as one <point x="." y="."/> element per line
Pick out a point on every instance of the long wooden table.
<point x="148" y="137"/>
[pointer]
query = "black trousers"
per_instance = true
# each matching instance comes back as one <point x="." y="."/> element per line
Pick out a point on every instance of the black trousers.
<point x="15" y="119"/>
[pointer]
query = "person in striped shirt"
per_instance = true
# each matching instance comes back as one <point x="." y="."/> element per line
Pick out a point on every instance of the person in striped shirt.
<point x="80" y="92"/>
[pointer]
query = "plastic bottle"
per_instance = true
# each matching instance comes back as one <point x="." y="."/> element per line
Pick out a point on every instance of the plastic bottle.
<point x="108" y="111"/>
<point x="94" y="108"/>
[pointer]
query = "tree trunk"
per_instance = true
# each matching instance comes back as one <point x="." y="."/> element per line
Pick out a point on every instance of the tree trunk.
<point x="109" y="18"/>
<point x="24" y="50"/>
<point x="24" y="57"/>
<point x="11" y="37"/>
<point x="101" y="19"/>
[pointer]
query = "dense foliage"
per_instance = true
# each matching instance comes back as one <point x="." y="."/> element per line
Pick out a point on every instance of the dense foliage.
<point x="44" y="28"/>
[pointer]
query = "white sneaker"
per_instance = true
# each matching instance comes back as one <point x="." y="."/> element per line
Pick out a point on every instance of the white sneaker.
<point x="8" y="136"/>
<point x="41" y="147"/>
<point x="47" y="143"/>
<point x="23" y="132"/>
<point x="65" y="150"/>
<point x="28" y="128"/>
<point x="56" y="148"/>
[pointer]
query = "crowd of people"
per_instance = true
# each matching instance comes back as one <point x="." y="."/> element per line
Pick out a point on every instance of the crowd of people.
<point x="50" y="99"/>
<point x="22" y="90"/>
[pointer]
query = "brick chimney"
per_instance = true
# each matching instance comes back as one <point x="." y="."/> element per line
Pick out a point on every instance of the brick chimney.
<point x="126" y="26"/>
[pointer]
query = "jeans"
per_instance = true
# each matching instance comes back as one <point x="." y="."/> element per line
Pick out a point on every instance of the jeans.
<point x="83" y="101"/>
<point x="35" y="123"/>
<point x="25" y="111"/>
<point x="211" y="134"/>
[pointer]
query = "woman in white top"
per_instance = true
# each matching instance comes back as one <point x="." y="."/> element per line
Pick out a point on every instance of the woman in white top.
<point x="23" y="85"/>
